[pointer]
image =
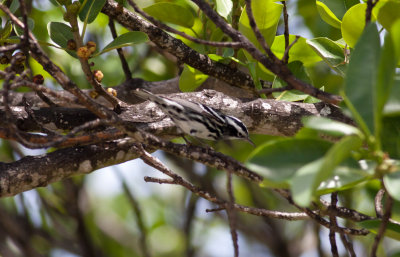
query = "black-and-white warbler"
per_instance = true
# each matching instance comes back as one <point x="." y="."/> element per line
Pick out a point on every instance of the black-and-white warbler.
<point x="198" y="120"/>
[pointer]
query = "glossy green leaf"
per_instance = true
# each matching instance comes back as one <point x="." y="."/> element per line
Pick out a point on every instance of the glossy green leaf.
<point x="90" y="10"/>
<point x="277" y="161"/>
<point x="390" y="138"/>
<point x="60" y="33"/>
<point x="191" y="79"/>
<point x="392" y="183"/>
<point x="20" y="32"/>
<point x="345" y="176"/>
<point x="361" y="78"/>
<point x="386" y="73"/>
<point x="331" y="52"/>
<point x="224" y="7"/>
<point x="392" y="229"/>
<point x="395" y="33"/>
<point x="300" y="51"/>
<point x="298" y="70"/>
<point x="309" y="177"/>
<point x="171" y="13"/>
<point x="389" y="13"/>
<point x="392" y="106"/>
<point x="14" y="6"/>
<point x="267" y="15"/>
<point x="353" y="24"/>
<point x="6" y="31"/>
<point x="127" y="39"/>
<point x="327" y="15"/>
<point x="330" y="127"/>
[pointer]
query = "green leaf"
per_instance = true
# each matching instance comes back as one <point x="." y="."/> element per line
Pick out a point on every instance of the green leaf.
<point x="392" y="183"/>
<point x="361" y="78"/>
<point x="309" y="177"/>
<point x="266" y="14"/>
<point x="386" y="73"/>
<point x="353" y="23"/>
<point x="90" y="10"/>
<point x="327" y="15"/>
<point x="19" y="31"/>
<point x="6" y="31"/>
<point x="300" y="51"/>
<point x="298" y="70"/>
<point x="278" y="160"/>
<point x="330" y="127"/>
<point x="14" y="6"/>
<point x="224" y="7"/>
<point x="171" y="13"/>
<point x="331" y="52"/>
<point x="191" y="79"/>
<point x="127" y="39"/>
<point x="60" y="33"/>
<point x="392" y="106"/>
<point x="392" y="229"/>
<point x="391" y="135"/>
<point x="389" y="13"/>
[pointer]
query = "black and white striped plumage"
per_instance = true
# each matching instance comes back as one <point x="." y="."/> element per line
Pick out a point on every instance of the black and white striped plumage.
<point x="198" y="120"/>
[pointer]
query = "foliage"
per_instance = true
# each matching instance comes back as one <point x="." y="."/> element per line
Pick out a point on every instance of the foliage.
<point x="337" y="51"/>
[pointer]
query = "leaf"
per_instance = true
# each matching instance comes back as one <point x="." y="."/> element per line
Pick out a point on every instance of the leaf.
<point x="298" y="70"/>
<point x="389" y="13"/>
<point x="171" y="13"/>
<point x="386" y="72"/>
<point x="331" y="52"/>
<point x="266" y="14"/>
<point x="353" y="23"/>
<point x="60" y="33"/>
<point x="330" y="127"/>
<point x="14" y="6"/>
<point x="127" y="39"/>
<point x="19" y="31"/>
<point x="300" y="51"/>
<point x="392" y="183"/>
<point x="191" y="79"/>
<point x="278" y="160"/>
<point x="6" y="31"/>
<point x="392" y="229"/>
<point x="90" y="10"/>
<point x="361" y="77"/>
<point x="309" y="177"/>
<point x="327" y="15"/>
<point x="224" y="7"/>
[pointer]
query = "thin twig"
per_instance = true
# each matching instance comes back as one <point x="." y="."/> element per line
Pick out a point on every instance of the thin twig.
<point x="230" y="211"/>
<point x="368" y="12"/>
<point x="285" y="57"/>
<point x="384" y="222"/>
<point x="332" y="234"/>
<point x="124" y="63"/>
<point x="286" y="31"/>
<point x="172" y="30"/>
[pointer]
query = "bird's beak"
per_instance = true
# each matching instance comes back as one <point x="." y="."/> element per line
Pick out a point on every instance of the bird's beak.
<point x="251" y="142"/>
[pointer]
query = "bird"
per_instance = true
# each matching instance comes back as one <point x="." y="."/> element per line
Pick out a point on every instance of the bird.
<point x="198" y="120"/>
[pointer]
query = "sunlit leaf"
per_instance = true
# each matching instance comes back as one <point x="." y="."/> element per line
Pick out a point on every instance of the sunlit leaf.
<point x="331" y="52"/>
<point x="191" y="79"/>
<point x="389" y="13"/>
<point x="171" y="13"/>
<point x="327" y="15"/>
<point x="266" y="14"/>
<point x="224" y="7"/>
<point x="300" y="51"/>
<point x="353" y="23"/>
